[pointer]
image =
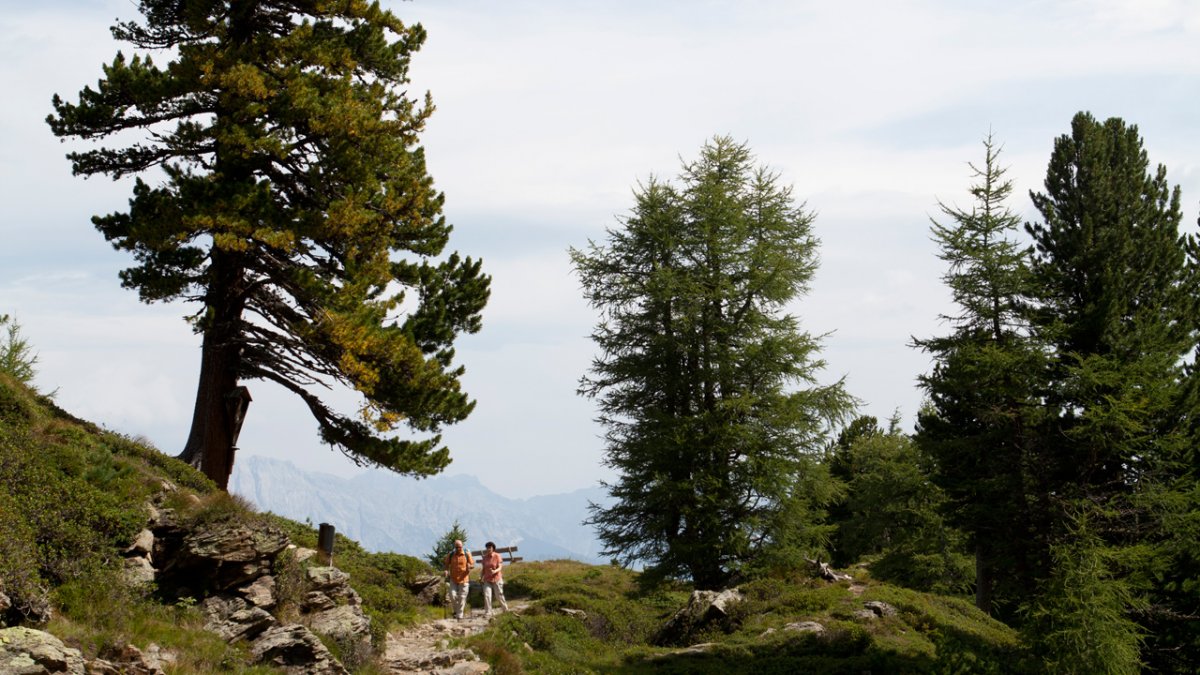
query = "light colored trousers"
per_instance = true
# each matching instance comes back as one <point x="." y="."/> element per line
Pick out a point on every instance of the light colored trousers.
<point x="458" y="597"/>
<point x="498" y="588"/>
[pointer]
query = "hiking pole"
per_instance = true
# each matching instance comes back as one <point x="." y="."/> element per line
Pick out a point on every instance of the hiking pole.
<point x="445" y="599"/>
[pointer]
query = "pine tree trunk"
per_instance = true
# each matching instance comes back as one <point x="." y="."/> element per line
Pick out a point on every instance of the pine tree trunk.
<point x="983" y="579"/>
<point x="210" y="444"/>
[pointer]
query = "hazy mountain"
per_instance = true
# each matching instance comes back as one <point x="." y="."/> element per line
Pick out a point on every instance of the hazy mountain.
<point x="387" y="512"/>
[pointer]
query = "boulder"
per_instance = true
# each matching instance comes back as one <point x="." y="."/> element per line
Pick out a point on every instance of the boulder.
<point x="260" y="592"/>
<point x="880" y="608"/>
<point x="129" y="660"/>
<point x="295" y="649"/>
<point x="343" y="623"/>
<point x="425" y="588"/>
<point x="703" y="609"/>
<point x="138" y="571"/>
<point x="217" y="557"/>
<point x="805" y="627"/>
<point x="233" y="618"/>
<point x="25" y="651"/>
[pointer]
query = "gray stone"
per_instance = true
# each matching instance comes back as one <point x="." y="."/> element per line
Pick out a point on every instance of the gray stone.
<point x="234" y="619"/>
<point x="805" y="627"/>
<point x="260" y="592"/>
<point x="143" y="544"/>
<point x="880" y="608"/>
<point x="344" y="622"/>
<point x="295" y="649"/>
<point x="138" y="571"/>
<point x="25" y="651"/>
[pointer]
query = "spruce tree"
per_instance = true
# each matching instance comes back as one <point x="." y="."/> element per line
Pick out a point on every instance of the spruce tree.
<point x="281" y="189"/>
<point x="706" y="388"/>
<point x="980" y="426"/>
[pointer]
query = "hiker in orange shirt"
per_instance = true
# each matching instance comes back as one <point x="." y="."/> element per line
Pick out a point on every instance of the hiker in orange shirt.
<point x="458" y="571"/>
<point x="493" y="581"/>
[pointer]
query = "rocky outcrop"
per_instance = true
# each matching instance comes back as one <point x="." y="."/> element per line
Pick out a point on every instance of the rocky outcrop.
<point x="227" y="565"/>
<point x="25" y="651"/>
<point x="129" y="660"/>
<point x="295" y="649"/>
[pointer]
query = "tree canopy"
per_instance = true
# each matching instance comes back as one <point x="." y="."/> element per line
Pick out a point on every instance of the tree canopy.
<point x="281" y="189"/>
<point x="706" y="387"/>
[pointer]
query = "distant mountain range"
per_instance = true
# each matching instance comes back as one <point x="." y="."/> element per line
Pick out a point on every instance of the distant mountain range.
<point x="387" y="512"/>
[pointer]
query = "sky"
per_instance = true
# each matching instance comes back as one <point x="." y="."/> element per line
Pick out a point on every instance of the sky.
<point x="548" y="116"/>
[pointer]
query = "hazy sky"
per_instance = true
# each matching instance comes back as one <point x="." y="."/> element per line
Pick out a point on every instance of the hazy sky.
<point x="548" y="114"/>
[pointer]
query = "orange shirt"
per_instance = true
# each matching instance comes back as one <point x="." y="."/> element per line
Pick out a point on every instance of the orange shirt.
<point x="459" y="565"/>
<point x="491" y="567"/>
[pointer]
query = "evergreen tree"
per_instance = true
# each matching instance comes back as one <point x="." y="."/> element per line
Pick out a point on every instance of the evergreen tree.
<point x="17" y="357"/>
<point x="1117" y="291"/>
<point x="445" y="545"/>
<point x="706" y="388"/>
<point x="891" y="515"/>
<point x="281" y="188"/>
<point x="980" y="426"/>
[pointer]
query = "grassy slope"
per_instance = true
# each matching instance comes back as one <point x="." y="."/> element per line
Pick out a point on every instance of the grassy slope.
<point x="72" y="495"/>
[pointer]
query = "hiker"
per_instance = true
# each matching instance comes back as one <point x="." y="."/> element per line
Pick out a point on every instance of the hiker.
<point x="458" y="571"/>
<point x="492" y="578"/>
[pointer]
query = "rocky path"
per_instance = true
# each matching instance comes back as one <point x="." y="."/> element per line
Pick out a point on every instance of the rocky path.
<point x="425" y="648"/>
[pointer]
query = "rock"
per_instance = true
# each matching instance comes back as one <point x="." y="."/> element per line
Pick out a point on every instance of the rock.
<point x="425" y="588"/>
<point x="25" y="651"/>
<point x="865" y="615"/>
<point x="302" y="553"/>
<point x="344" y="622"/>
<point x="260" y="592"/>
<point x="234" y="619"/>
<point x="703" y="608"/>
<point x="218" y="556"/>
<point x="880" y="608"/>
<point x="5" y="604"/>
<point x="129" y="660"/>
<point x="577" y="613"/>
<point x="138" y="571"/>
<point x="142" y="546"/>
<point x="295" y="649"/>
<point x="316" y="601"/>
<point x="328" y="580"/>
<point x="805" y="627"/>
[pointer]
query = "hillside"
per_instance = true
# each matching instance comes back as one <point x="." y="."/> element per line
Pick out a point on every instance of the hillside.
<point x="73" y="497"/>
<point x="387" y="512"/>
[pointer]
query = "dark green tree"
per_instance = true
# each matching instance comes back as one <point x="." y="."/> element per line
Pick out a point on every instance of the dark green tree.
<point x="445" y="546"/>
<point x="981" y="424"/>
<point x="281" y="188"/>
<point x="707" y="389"/>
<point x="891" y="511"/>
<point x="1117" y="291"/>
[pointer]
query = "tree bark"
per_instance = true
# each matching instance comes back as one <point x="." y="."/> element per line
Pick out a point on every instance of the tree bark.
<point x="983" y="579"/>
<point x="210" y="444"/>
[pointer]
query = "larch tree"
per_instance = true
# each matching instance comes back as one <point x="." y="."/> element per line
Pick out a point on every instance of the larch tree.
<point x="707" y="389"/>
<point x="982" y="419"/>
<point x="281" y="189"/>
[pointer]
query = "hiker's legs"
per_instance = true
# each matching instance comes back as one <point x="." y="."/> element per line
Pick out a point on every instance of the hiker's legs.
<point x="499" y="586"/>
<point x="458" y="592"/>
<point x="487" y="597"/>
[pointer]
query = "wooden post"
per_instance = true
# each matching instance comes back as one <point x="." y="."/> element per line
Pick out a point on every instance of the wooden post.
<point x="325" y="544"/>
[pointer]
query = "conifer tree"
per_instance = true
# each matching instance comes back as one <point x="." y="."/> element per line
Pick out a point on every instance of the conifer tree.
<point x="706" y="388"/>
<point x="981" y="423"/>
<point x="280" y="187"/>
<point x="1117" y="291"/>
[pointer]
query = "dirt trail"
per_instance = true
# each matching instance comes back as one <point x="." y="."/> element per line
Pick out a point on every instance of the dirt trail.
<point x="425" y="648"/>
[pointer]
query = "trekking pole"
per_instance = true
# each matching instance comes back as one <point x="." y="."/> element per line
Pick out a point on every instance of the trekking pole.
<point x="445" y="599"/>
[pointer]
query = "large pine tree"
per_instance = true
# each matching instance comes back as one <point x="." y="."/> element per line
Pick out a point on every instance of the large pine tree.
<point x="281" y="188"/>
<point x="1117" y="291"/>
<point x="983" y="411"/>
<point x="706" y="387"/>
